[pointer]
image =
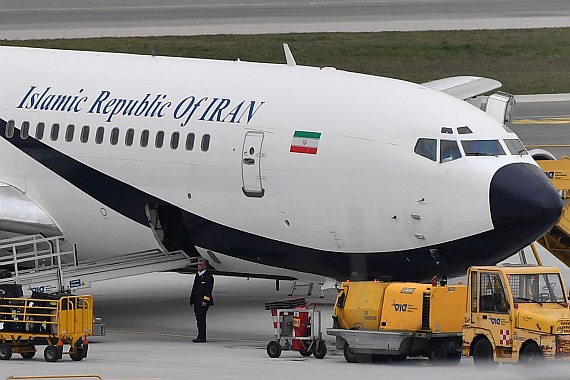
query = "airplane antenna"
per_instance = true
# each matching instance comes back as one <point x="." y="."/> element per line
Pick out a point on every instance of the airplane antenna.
<point x="289" y="56"/>
<point x="153" y="51"/>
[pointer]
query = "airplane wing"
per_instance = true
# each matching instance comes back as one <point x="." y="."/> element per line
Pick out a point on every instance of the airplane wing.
<point x="464" y="87"/>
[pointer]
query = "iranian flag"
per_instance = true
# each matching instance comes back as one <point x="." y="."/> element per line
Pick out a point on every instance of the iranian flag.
<point x="305" y="142"/>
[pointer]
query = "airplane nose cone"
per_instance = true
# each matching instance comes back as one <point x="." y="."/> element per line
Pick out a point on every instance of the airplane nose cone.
<point x="523" y="202"/>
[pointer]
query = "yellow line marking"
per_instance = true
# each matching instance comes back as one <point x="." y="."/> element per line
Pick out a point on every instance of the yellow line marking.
<point x="548" y="120"/>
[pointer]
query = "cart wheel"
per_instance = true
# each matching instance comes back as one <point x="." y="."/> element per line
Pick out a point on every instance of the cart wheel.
<point x="304" y="352"/>
<point x="273" y="349"/>
<point x="320" y="350"/>
<point x="77" y="356"/>
<point x="29" y="354"/>
<point x="51" y="354"/>
<point x="5" y="351"/>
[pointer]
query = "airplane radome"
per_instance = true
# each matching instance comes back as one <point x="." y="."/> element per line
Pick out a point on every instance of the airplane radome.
<point x="280" y="171"/>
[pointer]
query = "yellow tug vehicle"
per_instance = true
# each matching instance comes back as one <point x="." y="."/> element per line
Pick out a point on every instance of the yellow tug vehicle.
<point x="510" y="313"/>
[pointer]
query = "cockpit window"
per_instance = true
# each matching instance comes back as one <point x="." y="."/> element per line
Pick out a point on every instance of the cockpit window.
<point x="515" y="147"/>
<point x="464" y="130"/>
<point x="449" y="151"/>
<point x="482" y="148"/>
<point x="427" y="148"/>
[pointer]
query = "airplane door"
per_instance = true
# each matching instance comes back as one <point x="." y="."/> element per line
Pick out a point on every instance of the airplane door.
<point x="250" y="165"/>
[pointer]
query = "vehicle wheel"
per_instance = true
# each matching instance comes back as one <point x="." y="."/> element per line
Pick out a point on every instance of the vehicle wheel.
<point x="350" y="356"/>
<point x="273" y="349"/>
<point x="437" y="353"/>
<point x="483" y="354"/>
<point x="51" y="354"/>
<point x="5" y="351"/>
<point x="531" y="354"/>
<point x="320" y="350"/>
<point x="30" y="353"/>
<point x="77" y="356"/>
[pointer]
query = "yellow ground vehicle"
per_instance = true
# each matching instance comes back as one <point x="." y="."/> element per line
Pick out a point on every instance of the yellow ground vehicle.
<point x="27" y="322"/>
<point x="516" y="313"/>
<point x="396" y="320"/>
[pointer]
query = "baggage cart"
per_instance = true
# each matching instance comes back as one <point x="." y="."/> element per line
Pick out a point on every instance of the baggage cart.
<point x="297" y="329"/>
<point x="27" y="322"/>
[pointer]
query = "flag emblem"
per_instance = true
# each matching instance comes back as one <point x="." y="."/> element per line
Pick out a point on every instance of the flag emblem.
<point x="305" y="142"/>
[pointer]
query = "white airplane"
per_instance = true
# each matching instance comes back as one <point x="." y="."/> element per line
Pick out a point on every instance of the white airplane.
<point x="274" y="170"/>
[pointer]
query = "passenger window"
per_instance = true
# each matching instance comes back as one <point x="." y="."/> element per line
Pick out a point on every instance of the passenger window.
<point x="515" y="147"/>
<point x="84" y="137"/>
<point x="25" y="131"/>
<point x="129" y="137"/>
<point x="205" y="143"/>
<point x="99" y="135"/>
<point x="159" y="141"/>
<point x="40" y="128"/>
<point x="10" y="128"/>
<point x="54" y="135"/>
<point x="114" y="136"/>
<point x="190" y="141"/>
<point x="69" y="133"/>
<point x="174" y="139"/>
<point x="426" y="148"/>
<point x="449" y="151"/>
<point x="144" y="138"/>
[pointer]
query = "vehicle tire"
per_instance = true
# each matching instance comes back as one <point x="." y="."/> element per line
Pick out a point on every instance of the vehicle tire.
<point x="29" y="354"/>
<point x="5" y="351"/>
<point x="531" y="354"/>
<point x="273" y="349"/>
<point x="483" y="354"/>
<point x="350" y="356"/>
<point x="437" y="353"/>
<point x="51" y="354"/>
<point x="320" y="350"/>
<point x="77" y="356"/>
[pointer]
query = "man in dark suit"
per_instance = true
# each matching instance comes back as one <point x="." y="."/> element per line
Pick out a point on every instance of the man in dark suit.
<point x="201" y="298"/>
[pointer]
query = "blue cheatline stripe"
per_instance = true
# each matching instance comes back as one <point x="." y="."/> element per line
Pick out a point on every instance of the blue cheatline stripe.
<point x="410" y="265"/>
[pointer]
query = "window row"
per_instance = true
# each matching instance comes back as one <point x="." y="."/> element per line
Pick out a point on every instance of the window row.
<point x="114" y="137"/>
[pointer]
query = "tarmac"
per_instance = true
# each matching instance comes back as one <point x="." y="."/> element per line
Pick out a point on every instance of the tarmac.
<point x="150" y="324"/>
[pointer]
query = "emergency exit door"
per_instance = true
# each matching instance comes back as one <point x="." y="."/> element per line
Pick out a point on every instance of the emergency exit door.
<point x="251" y="165"/>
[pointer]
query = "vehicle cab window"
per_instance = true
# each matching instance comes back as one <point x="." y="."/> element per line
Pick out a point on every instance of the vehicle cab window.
<point x="492" y="292"/>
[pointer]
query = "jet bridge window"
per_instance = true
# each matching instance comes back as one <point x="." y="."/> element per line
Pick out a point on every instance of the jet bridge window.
<point x="515" y="147"/>
<point x="426" y="148"/>
<point x="448" y="151"/>
<point x="40" y="128"/>
<point x="482" y="148"/>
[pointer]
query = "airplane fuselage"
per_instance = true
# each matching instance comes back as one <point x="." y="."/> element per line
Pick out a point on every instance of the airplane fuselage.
<point x="264" y="168"/>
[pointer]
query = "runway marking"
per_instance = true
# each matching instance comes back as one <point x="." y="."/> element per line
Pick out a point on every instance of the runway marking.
<point x="546" y="120"/>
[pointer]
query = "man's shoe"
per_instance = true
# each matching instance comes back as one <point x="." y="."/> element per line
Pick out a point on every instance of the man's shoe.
<point x="199" y="340"/>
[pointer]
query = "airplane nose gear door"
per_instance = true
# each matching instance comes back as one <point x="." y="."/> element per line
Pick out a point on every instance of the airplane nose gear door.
<point x="250" y="165"/>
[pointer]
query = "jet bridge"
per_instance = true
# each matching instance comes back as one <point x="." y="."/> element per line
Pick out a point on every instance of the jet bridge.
<point x="557" y="240"/>
<point x="50" y="264"/>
